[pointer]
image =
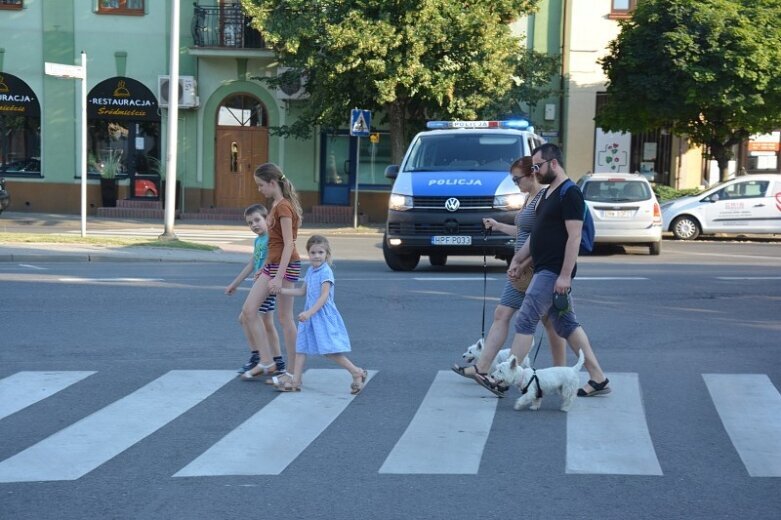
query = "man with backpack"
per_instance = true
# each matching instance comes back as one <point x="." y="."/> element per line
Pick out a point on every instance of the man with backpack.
<point x="563" y="227"/>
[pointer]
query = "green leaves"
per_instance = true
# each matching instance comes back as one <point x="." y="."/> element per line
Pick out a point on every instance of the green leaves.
<point x="416" y="59"/>
<point x="705" y="68"/>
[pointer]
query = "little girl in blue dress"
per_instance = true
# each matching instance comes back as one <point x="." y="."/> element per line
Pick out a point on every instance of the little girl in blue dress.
<point x="321" y="330"/>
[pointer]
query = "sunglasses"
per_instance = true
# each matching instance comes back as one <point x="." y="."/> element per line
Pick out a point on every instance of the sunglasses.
<point x="517" y="180"/>
<point x="536" y="167"/>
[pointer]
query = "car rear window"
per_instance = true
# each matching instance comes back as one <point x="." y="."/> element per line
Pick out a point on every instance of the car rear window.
<point x="616" y="191"/>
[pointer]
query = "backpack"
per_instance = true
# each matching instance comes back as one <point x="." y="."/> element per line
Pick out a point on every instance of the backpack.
<point x="588" y="232"/>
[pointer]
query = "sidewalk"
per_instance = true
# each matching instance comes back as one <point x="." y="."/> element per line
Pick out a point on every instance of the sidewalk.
<point x="45" y="223"/>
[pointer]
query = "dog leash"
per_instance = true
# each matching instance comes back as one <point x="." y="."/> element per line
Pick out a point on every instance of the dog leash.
<point x="534" y="370"/>
<point x="486" y="233"/>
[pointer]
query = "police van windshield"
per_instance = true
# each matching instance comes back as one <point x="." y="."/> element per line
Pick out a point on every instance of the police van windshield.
<point x="466" y="152"/>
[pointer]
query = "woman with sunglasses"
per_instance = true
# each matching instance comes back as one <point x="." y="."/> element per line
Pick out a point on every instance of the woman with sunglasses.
<point x="522" y="176"/>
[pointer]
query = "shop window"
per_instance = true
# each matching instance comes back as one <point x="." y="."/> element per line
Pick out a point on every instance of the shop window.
<point x="763" y="151"/>
<point x="20" y="129"/>
<point x="622" y="8"/>
<point x="11" y="4"/>
<point x="131" y="7"/>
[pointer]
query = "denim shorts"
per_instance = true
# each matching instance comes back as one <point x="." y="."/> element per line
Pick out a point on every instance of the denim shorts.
<point x="538" y="302"/>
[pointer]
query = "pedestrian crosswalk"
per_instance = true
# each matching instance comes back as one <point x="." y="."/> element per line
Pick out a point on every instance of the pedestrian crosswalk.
<point x="447" y="434"/>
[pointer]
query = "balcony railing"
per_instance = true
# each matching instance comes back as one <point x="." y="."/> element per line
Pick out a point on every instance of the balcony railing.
<point x="224" y="26"/>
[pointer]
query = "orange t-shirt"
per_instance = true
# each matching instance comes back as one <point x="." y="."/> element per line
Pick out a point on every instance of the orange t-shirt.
<point x="276" y="242"/>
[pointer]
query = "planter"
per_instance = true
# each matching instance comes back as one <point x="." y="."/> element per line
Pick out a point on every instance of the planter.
<point x="108" y="192"/>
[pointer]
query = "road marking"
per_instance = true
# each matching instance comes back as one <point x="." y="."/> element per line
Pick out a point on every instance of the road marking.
<point x="608" y="435"/>
<point x="23" y="389"/>
<point x="724" y="255"/>
<point x="88" y="280"/>
<point x="33" y="267"/>
<point x="748" y="277"/>
<point x="602" y="278"/>
<point x="750" y="410"/>
<point x="452" y="278"/>
<point x="447" y="435"/>
<point x="78" y="449"/>
<point x="267" y="442"/>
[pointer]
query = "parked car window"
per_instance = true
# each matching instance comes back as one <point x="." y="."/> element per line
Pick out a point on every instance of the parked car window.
<point x="742" y="190"/>
<point x="616" y="191"/>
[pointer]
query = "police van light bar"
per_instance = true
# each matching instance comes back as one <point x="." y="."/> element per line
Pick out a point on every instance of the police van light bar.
<point x="516" y="124"/>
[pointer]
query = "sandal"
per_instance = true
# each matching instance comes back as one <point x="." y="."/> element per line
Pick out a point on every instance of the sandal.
<point x="461" y="370"/>
<point x="357" y="384"/>
<point x="598" y="388"/>
<point x="490" y="385"/>
<point x="259" y="371"/>
<point x="279" y="382"/>
<point x="288" y="387"/>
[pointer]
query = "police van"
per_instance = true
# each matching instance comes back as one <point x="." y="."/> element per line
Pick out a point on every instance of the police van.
<point x="452" y="176"/>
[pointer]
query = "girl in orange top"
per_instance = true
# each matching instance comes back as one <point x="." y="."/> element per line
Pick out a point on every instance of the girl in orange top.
<point x="282" y="268"/>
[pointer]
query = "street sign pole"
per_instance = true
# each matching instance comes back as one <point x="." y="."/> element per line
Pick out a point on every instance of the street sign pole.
<point x="173" y="127"/>
<point x="61" y="70"/>
<point x="357" y="170"/>
<point x="360" y="126"/>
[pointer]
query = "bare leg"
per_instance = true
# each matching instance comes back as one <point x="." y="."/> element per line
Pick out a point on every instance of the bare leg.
<point x="287" y="321"/>
<point x="579" y="340"/>
<point x="558" y="346"/>
<point x="298" y="370"/>
<point x="251" y="321"/>
<point x="344" y="362"/>
<point x="271" y="333"/>
<point x="494" y="340"/>
<point x="522" y="343"/>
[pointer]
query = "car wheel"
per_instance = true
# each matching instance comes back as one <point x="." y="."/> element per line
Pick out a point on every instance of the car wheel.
<point x="438" y="259"/>
<point x="399" y="262"/>
<point x="686" y="228"/>
<point x="655" y="248"/>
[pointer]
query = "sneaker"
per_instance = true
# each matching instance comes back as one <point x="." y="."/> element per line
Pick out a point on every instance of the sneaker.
<point x="254" y="359"/>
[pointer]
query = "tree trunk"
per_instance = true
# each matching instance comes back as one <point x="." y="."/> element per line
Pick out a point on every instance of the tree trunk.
<point x="722" y="154"/>
<point x="398" y="130"/>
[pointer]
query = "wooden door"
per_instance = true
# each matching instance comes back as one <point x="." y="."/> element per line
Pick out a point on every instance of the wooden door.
<point x="240" y="150"/>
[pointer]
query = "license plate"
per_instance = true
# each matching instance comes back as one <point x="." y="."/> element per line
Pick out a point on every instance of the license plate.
<point x="618" y="213"/>
<point x="451" y="240"/>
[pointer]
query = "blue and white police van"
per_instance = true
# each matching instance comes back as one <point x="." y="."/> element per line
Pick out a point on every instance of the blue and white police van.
<point x="452" y="176"/>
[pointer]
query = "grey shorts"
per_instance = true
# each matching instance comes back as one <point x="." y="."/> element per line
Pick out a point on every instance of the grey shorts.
<point x="511" y="297"/>
<point x="538" y="302"/>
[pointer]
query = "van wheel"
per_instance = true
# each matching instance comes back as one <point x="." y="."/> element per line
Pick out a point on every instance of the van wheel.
<point x="686" y="228"/>
<point x="399" y="262"/>
<point x="438" y="259"/>
<point x="655" y="248"/>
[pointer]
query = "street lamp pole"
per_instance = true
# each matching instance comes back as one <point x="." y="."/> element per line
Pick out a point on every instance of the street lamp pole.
<point x="173" y="126"/>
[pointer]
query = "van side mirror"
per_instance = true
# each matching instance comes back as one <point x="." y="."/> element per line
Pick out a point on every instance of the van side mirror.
<point x="392" y="171"/>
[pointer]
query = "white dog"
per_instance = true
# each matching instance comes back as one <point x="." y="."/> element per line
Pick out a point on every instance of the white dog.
<point x="533" y="384"/>
<point x="473" y="353"/>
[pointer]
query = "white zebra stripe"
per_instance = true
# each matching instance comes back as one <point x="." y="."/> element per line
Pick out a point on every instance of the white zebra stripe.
<point x="447" y="435"/>
<point x="78" y="449"/>
<point x="750" y="409"/>
<point x="267" y="442"/>
<point x="609" y="434"/>
<point x="23" y="389"/>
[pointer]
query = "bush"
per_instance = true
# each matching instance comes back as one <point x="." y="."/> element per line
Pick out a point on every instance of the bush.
<point x="665" y="193"/>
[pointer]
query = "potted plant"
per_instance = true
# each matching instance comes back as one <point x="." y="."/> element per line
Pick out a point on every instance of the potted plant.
<point x="108" y="167"/>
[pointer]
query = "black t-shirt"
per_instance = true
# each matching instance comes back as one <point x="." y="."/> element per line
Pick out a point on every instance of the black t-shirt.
<point x="549" y="235"/>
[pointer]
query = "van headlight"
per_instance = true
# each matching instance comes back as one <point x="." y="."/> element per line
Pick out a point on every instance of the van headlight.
<point x="400" y="202"/>
<point x="509" y="202"/>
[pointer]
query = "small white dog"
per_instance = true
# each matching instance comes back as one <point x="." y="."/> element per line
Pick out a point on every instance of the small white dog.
<point x="473" y="353"/>
<point x="533" y="384"/>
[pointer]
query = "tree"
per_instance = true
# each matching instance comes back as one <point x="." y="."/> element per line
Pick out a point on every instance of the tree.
<point x="707" y="69"/>
<point x="410" y="60"/>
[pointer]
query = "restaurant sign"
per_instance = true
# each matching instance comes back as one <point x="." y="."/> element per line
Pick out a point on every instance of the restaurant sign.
<point x="123" y="99"/>
<point x="17" y="98"/>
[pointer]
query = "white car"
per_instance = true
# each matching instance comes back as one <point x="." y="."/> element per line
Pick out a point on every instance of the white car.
<point x="746" y="204"/>
<point x="624" y="209"/>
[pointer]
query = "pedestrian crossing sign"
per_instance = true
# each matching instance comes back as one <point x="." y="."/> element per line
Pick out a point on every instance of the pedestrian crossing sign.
<point x="360" y="122"/>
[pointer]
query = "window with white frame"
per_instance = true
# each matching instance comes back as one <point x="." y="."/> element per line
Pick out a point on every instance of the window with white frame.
<point x="132" y="7"/>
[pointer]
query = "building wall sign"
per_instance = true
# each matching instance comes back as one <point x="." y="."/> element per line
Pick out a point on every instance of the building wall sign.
<point x="17" y="98"/>
<point x="122" y="99"/>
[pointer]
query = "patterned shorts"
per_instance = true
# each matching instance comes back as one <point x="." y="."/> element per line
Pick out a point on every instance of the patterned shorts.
<point x="292" y="273"/>
<point x="269" y="304"/>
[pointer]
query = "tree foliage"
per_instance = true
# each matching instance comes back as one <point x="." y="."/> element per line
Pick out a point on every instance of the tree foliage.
<point x="411" y="60"/>
<point x="702" y="68"/>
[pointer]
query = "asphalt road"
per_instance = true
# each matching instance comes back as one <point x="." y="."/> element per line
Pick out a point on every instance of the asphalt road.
<point x="663" y="328"/>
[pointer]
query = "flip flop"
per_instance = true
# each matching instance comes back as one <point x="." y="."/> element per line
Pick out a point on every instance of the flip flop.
<point x="599" y="388"/>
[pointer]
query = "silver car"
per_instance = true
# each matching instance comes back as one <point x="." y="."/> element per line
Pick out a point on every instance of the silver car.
<point x="624" y="208"/>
